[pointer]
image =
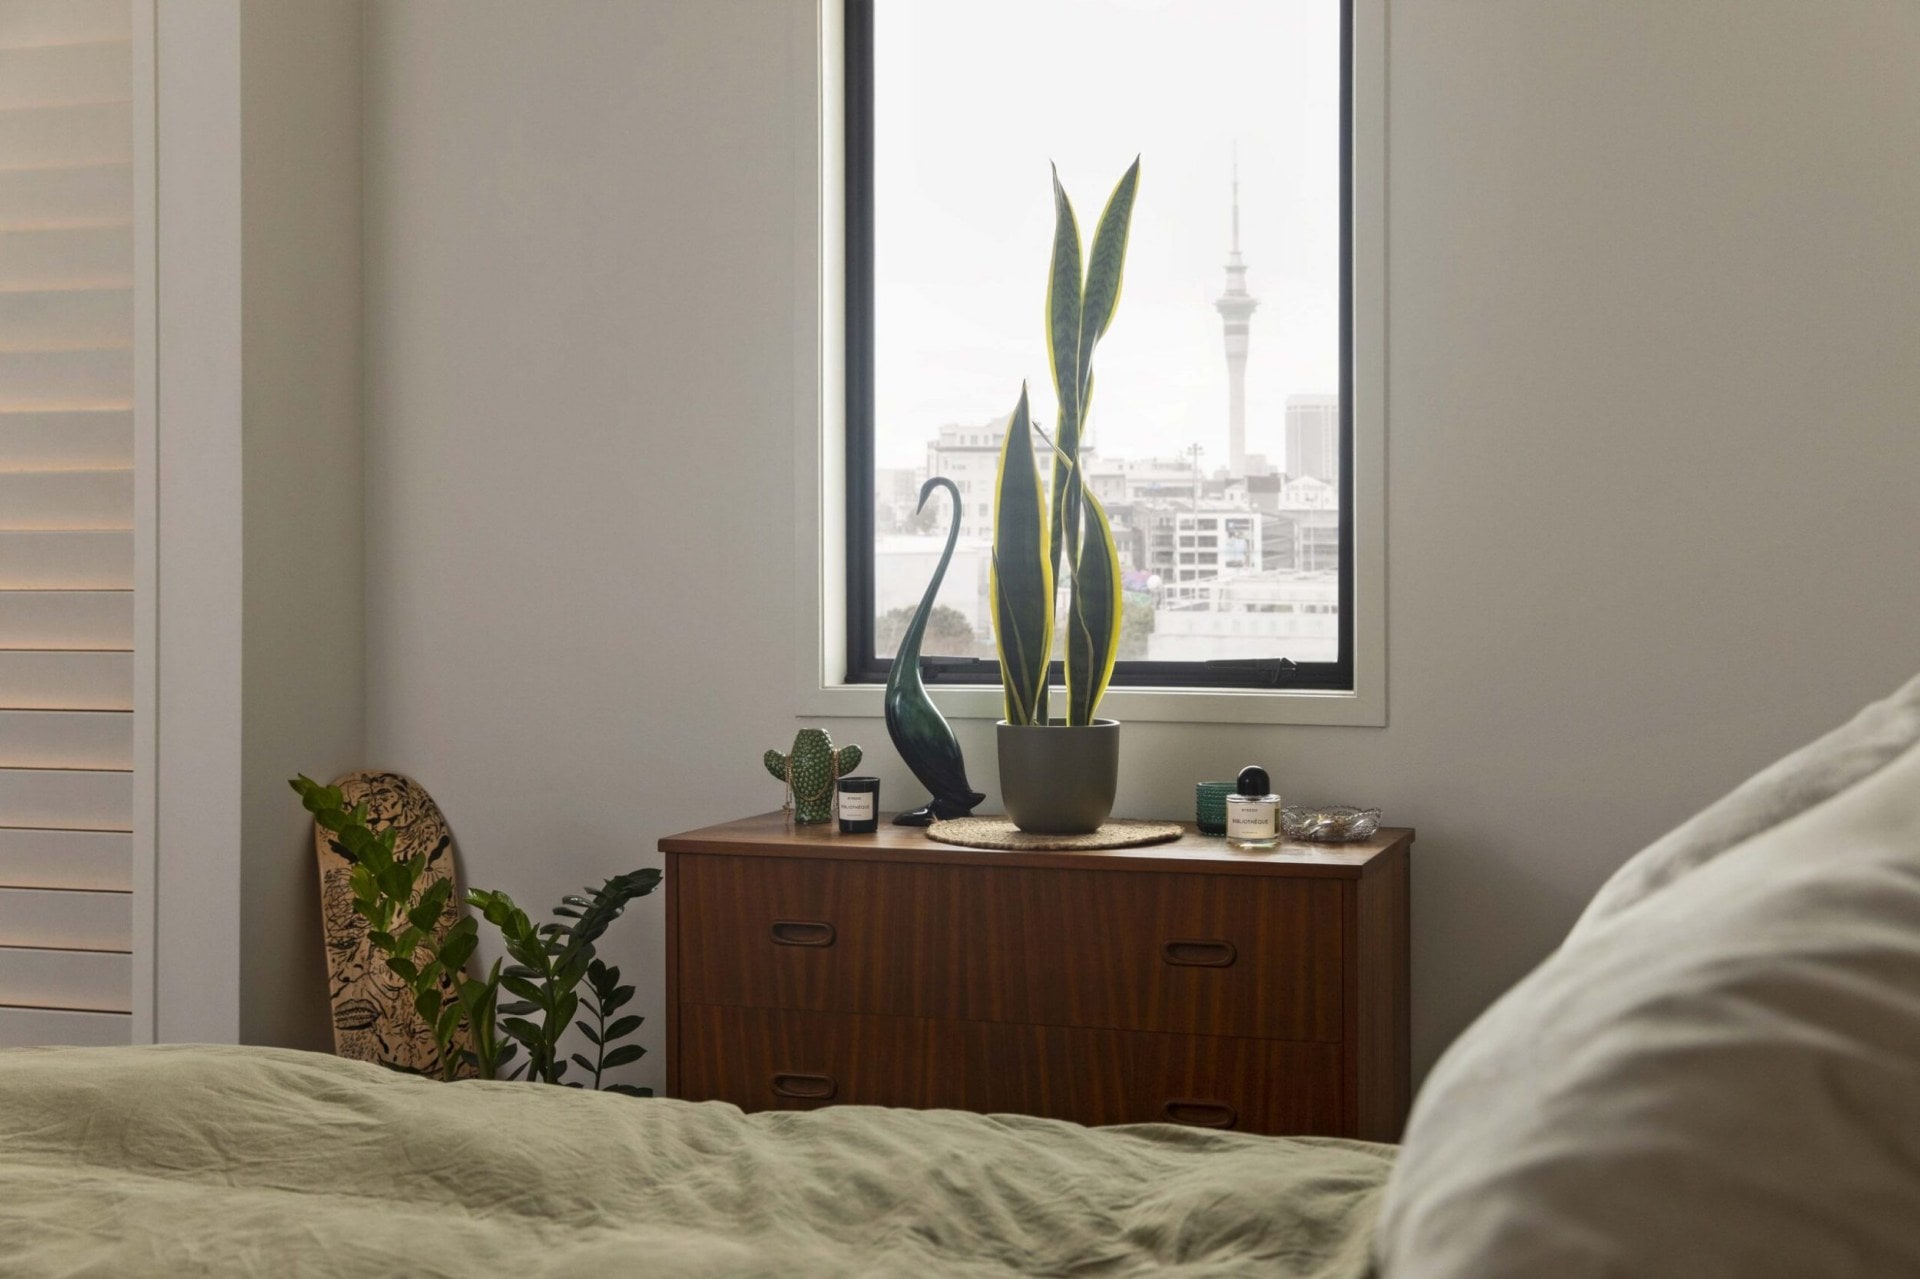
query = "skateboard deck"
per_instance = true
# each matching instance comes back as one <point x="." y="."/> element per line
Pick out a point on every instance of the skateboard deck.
<point x="373" y="1014"/>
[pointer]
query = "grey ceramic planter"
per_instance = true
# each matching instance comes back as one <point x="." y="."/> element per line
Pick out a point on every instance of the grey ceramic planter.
<point x="1058" y="780"/>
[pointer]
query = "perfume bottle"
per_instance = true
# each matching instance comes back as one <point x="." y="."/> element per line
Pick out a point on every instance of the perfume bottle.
<point x="1253" y="815"/>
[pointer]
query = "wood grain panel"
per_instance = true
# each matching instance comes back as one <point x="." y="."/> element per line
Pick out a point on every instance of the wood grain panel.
<point x="1058" y="1072"/>
<point x="762" y="1059"/>
<point x="910" y="941"/>
<point x="1264" y="1086"/>
<point x="1145" y="952"/>
<point x="769" y="835"/>
<point x="1380" y="995"/>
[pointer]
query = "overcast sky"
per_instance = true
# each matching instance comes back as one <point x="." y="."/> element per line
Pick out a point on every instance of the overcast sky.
<point x="974" y="97"/>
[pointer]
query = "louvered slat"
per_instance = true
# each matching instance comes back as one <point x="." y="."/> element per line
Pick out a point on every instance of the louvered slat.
<point x="83" y="980"/>
<point x="65" y="257"/>
<point x="89" y="859"/>
<point x="66" y="619"/>
<point x="66" y="739"/>
<point x="62" y="919"/>
<point x="66" y="440"/>
<point x="30" y="1027"/>
<point x="33" y="680"/>
<point x="72" y="195"/>
<point x="51" y="500"/>
<point x="100" y="133"/>
<point x="65" y="74"/>
<point x="84" y="561"/>
<point x="60" y="799"/>
<point x="29" y="24"/>
<point x="66" y="319"/>
<point x="71" y="379"/>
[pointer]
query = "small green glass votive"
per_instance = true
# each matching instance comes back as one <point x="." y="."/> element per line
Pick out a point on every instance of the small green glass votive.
<point x="1210" y="806"/>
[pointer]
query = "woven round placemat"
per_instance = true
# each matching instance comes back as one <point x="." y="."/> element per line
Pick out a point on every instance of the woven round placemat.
<point x="999" y="832"/>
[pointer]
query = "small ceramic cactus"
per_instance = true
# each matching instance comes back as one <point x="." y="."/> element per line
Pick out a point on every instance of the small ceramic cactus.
<point x="810" y="772"/>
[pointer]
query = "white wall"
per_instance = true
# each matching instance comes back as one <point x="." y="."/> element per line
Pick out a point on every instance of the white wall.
<point x="260" y="595"/>
<point x="303" y="678"/>
<point x="1652" y="309"/>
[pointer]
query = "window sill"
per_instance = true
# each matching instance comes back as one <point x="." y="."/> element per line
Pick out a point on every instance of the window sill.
<point x="1139" y="705"/>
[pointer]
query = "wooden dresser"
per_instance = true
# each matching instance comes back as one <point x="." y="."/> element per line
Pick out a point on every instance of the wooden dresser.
<point x="1187" y="982"/>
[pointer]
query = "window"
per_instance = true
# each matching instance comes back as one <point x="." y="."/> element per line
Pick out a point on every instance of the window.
<point x="1222" y="418"/>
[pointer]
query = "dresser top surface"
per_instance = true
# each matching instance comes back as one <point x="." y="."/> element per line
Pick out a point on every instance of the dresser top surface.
<point x="772" y="835"/>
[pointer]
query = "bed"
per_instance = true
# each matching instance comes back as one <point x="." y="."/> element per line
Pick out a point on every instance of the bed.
<point x="210" y="1160"/>
<point x="1717" y="1074"/>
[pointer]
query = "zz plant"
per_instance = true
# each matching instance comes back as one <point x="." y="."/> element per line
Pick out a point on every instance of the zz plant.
<point x="550" y="960"/>
<point x="1034" y="532"/>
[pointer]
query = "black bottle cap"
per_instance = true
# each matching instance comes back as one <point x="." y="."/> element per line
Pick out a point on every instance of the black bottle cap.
<point x="1253" y="780"/>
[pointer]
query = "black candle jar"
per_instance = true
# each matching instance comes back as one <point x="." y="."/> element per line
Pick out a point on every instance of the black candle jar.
<point x="859" y="805"/>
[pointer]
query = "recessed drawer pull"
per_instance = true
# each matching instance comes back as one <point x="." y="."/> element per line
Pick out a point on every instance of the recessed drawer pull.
<point x="805" y="1087"/>
<point x="1199" y="954"/>
<point x="1201" y="1114"/>
<point x="802" y="932"/>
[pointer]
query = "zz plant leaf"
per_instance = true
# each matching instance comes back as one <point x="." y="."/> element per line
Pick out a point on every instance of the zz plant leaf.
<point x="550" y="961"/>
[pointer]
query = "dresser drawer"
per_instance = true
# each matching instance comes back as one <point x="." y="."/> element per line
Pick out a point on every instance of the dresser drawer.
<point x="1229" y="955"/>
<point x="847" y="936"/>
<point x="765" y="1059"/>
<point x="1100" y="1077"/>
<point x="1275" y="1087"/>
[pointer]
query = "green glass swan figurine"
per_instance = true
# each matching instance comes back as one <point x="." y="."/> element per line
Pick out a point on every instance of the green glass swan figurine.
<point x="919" y="731"/>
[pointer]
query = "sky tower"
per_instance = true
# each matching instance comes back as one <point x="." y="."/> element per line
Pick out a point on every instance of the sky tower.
<point x="1236" y="308"/>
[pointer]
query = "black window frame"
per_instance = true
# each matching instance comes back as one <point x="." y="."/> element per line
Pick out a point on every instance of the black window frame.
<point x="863" y="667"/>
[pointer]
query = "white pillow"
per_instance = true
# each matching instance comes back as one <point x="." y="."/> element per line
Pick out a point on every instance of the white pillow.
<point x="1718" y="1076"/>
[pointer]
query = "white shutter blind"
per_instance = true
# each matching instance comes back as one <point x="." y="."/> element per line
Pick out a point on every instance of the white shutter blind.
<point x="66" y="520"/>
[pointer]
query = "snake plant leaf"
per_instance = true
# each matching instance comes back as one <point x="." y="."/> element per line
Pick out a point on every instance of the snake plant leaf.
<point x="1065" y="326"/>
<point x="1020" y="580"/>
<point x="1093" y="628"/>
<point x="1105" y="268"/>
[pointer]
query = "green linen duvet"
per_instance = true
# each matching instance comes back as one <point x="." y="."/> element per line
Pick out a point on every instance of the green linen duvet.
<point x="236" y="1161"/>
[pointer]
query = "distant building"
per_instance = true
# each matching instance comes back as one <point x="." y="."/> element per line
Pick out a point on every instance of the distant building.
<point x="1313" y="437"/>
<point x="1141" y="479"/>
<point x="1272" y="613"/>
<point x="1306" y="517"/>
<point x="903" y="565"/>
<point x="970" y="457"/>
<point x="896" y="493"/>
<point x="1186" y="544"/>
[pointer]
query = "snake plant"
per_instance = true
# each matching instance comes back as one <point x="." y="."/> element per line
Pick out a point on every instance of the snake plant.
<point x="1034" y="532"/>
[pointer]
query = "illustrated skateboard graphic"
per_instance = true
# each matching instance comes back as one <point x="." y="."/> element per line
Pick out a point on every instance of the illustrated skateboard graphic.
<point x="373" y="1014"/>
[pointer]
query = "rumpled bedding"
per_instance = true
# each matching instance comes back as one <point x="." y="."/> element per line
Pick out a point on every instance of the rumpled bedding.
<point x="193" y="1160"/>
